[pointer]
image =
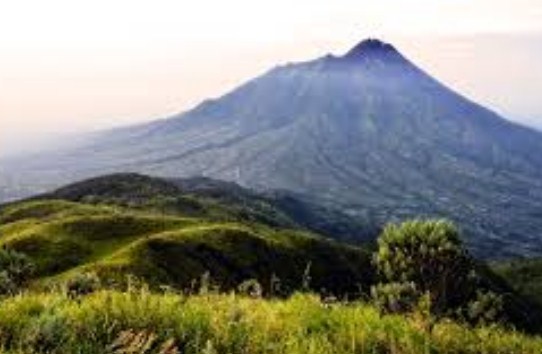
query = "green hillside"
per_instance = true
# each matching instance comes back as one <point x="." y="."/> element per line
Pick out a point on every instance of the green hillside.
<point x="525" y="275"/>
<point x="118" y="227"/>
<point x="218" y="200"/>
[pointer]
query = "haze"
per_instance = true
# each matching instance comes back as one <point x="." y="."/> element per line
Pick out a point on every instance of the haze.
<point x="73" y="66"/>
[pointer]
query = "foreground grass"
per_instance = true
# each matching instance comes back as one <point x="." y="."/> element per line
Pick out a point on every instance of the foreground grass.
<point x="212" y="323"/>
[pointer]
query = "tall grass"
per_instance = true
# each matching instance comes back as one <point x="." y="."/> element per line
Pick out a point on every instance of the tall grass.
<point x="229" y="323"/>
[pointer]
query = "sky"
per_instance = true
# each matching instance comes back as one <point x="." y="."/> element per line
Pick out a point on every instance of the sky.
<point x="74" y="66"/>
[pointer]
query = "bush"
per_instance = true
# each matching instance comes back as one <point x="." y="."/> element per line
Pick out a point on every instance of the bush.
<point x="83" y="284"/>
<point x="429" y="257"/>
<point x="15" y="271"/>
<point x="485" y="308"/>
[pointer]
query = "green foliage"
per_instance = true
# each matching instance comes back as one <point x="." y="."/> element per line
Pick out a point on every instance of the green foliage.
<point x="427" y="257"/>
<point x="15" y="270"/>
<point x="395" y="297"/>
<point x="142" y="322"/>
<point x="525" y="276"/>
<point x="82" y="284"/>
<point x="485" y="308"/>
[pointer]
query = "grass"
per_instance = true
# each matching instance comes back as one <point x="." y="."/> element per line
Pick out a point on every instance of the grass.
<point x="230" y="323"/>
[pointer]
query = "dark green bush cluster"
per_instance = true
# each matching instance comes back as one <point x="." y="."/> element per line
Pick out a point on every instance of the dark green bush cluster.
<point x="82" y="284"/>
<point x="485" y="308"/>
<point x="427" y="257"/>
<point x="15" y="270"/>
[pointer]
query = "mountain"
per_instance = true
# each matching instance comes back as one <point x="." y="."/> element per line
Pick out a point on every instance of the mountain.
<point x="367" y="132"/>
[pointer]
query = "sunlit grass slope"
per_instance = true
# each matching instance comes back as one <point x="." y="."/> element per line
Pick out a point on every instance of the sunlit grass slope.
<point x="140" y="322"/>
<point x="63" y="238"/>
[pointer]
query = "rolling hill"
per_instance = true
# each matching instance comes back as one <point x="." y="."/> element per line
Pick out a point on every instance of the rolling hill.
<point x="150" y="228"/>
<point x="368" y="132"/>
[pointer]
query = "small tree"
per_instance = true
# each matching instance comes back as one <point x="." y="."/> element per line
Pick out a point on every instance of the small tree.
<point x="15" y="271"/>
<point x="428" y="255"/>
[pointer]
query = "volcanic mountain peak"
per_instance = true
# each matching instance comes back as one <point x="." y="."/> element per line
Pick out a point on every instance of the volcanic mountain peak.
<point x="371" y="47"/>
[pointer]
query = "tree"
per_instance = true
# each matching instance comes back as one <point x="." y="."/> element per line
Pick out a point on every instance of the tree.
<point x="15" y="270"/>
<point x="429" y="256"/>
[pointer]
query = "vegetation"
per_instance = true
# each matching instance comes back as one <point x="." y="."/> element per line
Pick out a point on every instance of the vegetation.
<point x="525" y="275"/>
<point x="427" y="257"/>
<point x="118" y="225"/>
<point x="425" y="263"/>
<point x="137" y="321"/>
<point x="101" y="268"/>
<point x="15" y="270"/>
<point x="218" y="200"/>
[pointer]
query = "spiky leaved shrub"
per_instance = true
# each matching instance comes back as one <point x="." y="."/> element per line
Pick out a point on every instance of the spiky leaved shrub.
<point x="427" y="257"/>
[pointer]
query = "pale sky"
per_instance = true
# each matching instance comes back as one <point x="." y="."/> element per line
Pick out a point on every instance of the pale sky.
<point x="72" y="66"/>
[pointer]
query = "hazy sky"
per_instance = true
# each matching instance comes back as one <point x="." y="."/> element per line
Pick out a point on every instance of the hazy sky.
<point x="69" y="66"/>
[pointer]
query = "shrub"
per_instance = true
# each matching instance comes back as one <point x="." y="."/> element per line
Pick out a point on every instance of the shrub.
<point x="429" y="255"/>
<point x="83" y="284"/>
<point x="46" y="334"/>
<point x="485" y="308"/>
<point x="15" y="271"/>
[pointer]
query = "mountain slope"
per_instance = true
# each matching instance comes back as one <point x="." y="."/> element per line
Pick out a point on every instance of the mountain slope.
<point x="525" y="275"/>
<point x="368" y="132"/>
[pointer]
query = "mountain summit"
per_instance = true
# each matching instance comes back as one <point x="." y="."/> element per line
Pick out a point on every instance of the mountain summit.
<point x="371" y="47"/>
<point x="368" y="132"/>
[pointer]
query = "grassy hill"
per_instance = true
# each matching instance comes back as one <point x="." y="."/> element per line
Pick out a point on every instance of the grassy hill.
<point x="131" y="224"/>
<point x="218" y="200"/>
